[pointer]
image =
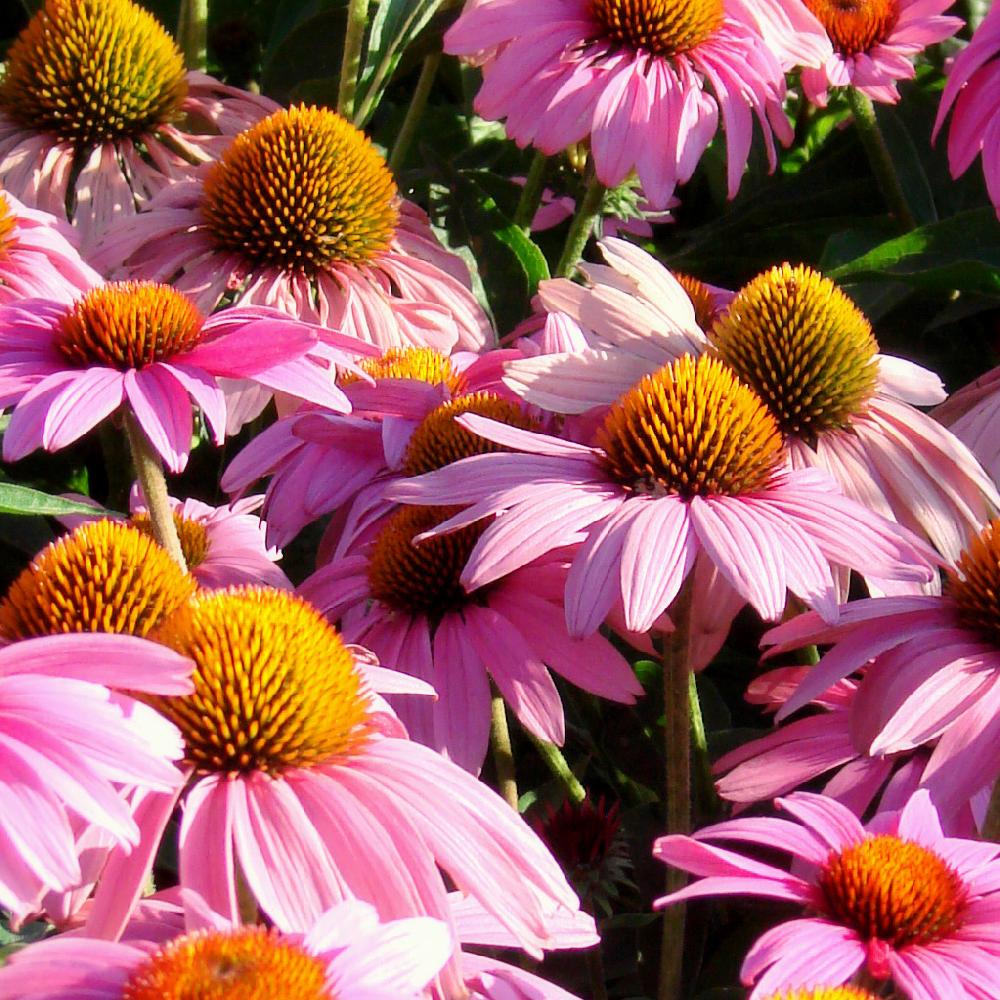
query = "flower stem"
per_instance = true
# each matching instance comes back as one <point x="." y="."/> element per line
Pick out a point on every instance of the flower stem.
<point x="556" y="763"/>
<point x="587" y="213"/>
<point x="354" y="38"/>
<point x="503" y="752"/>
<point x="415" y="111"/>
<point x="677" y="746"/>
<point x="991" y="825"/>
<point x="709" y="799"/>
<point x="149" y="470"/>
<point x="880" y="158"/>
<point x="531" y="193"/>
<point x="192" y="33"/>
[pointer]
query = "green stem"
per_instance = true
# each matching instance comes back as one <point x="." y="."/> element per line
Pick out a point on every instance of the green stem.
<point x="149" y="471"/>
<point x="503" y="753"/>
<point x="556" y="763"/>
<point x="415" y="112"/>
<point x="991" y="826"/>
<point x="531" y="193"/>
<point x="880" y="158"/>
<point x="192" y="33"/>
<point x="354" y="39"/>
<point x="709" y="799"/>
<point x="587" y="213"/>
<point x="677" y="746"/>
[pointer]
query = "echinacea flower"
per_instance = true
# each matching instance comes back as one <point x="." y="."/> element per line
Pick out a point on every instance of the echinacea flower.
<point x="687" y="471"/>
<point x="68" y="737"/>
<point x="90" y="104"/>
<point x="68" y="367"/>
<point x="405" y="603"/>
<point x="37" y="257"/>
<point x="973" y="91"/>
<point x="300" y="776"/>
<point x="933" y="672"/>
<point x="346" y="954"/>
<point x="874" y="42"/>
<point x="645" y="82"/>
<point x="897" y="899"/>
<point x="302" y="213"/>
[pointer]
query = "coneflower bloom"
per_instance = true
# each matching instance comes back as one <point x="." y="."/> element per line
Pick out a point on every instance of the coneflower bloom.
<point x="646" y="82"/>
<point x="68" y="367"/>
<point x="67" y="739"/>
<point x="37" y="256"/>
<point x="91" y="108"/>
<point x="973" y="90"/>
<point x="934" y="672"/>
<point x="346" y="954"/>
<point x="897" y="899"/>
<point x="302" y="213"/>
<point x="319" y="461"/>
<point x="405" y="603"/>
<point x="687" y="467"/>
<point x="971" y="414"/>
<point x="301" y="776"/>
<point x="874" y="43"/>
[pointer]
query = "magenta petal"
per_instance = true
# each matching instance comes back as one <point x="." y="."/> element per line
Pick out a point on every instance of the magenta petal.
<point x="206" y="845"/>
<point x="827" y="818"/>
<point x="205" y="391"/>
<point x="163" y="409"/>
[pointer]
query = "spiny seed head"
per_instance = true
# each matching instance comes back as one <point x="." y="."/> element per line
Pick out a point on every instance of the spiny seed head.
<point x="438" y="440"/>
<point x="92" y="71"/>
<point x="823" y="993"/>
<point x="421" y="364"/>
<point x="301" y="190"/>
<point x="691" y="428"/>
<point x="892" y="890"/>
<point x="701" y="298"/>
<point x="661" y="27"/>
<point x="246" y="963"/>
<point x="421" y="579"/>
<point x="974" y="583"/>
<point x="106" y="576"/>
<point x="192" y="535"/>
<point x="804" y="346"/>
<point x="128" y="324"/>
<point x="7" y="225"/>
<point x="856" y="25"/>
<point x="275" y="686"/>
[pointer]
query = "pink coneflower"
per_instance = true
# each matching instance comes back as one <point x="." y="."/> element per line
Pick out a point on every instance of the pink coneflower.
<point x="798" y="752"/>
<point x="973" y="89"/>
<point x="874" y="42"/>
<point x="68" y="367"/>
<point x="645" y="82"/>
<point x="934" y="672"/>
<point x="406" y="604"/>
<point x="302" y="777"/>
<point x="842" y="407"/>
<point x="301" y="213"/>
<point x="67" y="739"/>
<point x="971" y="415"/>
<point x="898" y="900"/>
<point x="320" y="461"/>
<point x="687" y="469"/>
<point x="37" y="257"/>
<point x="97" y="112"/>
<point x="346" y="954"/>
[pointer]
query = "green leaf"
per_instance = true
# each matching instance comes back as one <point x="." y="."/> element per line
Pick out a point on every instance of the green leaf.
<point x="961" y="253"/>
<point x="23" y="500"/>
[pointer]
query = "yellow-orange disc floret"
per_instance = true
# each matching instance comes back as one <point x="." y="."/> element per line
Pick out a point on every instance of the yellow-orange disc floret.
<point x="701" y="298"/>
<point x="275" y="686"/>
<point x="823" y="993"/>
<point x="247" y="963"/>
<point x="691" y="428"/>
<point x="106" y="576"/>
<point x="892" y="890"/>
<point x="856" y="25"/>
<point x="91" y="71"/>
<point x="438" y="441"/>
<point x="127" y="325"/>
<point x="302" y="189"/>
<point x="7" y="225"/>
<point x="422" y="364"/>
<point x="975" y="583"/>
<point x="662" y="27"/>
<point x="423" y="578"/>
<point x="192" y="535"/>
<point x="803" y="345"/>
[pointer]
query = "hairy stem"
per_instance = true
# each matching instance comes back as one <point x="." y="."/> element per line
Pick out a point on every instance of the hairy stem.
<point x="587" y="213"/>
<point x="707" y="796"/>
<point x="415" y="112"/>
<point x="556" y="763"/>
<point x="149" y="471"/>
<point x="503" y="753"/>
<point x="350" y="64"/>
<point x="192" y="33"/>
<point x="531" y="193"/>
